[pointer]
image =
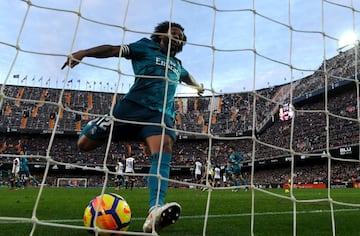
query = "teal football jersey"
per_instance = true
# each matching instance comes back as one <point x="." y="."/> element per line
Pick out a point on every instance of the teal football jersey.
<point x="236" y="158"/>
<point x="150" y="63"/>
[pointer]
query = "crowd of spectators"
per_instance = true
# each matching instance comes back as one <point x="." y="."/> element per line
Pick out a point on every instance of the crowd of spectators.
<point x="27" y="113"/>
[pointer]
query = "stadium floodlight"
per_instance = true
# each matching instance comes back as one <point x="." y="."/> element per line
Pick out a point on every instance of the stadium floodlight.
<point x="348" y="40"/>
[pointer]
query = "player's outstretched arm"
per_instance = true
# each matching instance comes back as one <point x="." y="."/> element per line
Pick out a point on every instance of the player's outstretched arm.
<point x="191" y="81"/>
<point x="103" y="51"/>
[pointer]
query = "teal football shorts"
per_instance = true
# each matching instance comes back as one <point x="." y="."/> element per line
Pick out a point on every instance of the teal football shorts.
<point x="128" y="112"/>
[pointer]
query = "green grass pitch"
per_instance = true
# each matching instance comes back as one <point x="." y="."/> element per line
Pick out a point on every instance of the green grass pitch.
<point x="229" y="212"/>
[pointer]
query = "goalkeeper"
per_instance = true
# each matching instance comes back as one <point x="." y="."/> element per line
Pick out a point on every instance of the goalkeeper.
<point x="156" y="78"/>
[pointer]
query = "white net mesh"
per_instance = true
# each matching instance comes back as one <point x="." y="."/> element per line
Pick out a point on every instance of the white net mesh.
<point x="309" y="66"/>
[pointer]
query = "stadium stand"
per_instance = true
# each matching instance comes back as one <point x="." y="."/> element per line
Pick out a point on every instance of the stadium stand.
<point x="231" y="116"/>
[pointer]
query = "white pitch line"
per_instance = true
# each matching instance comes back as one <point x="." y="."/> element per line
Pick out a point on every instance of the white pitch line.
<point x="7" y="221"/>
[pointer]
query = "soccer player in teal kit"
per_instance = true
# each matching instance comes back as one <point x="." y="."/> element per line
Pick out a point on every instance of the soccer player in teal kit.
<point x="235" y="159"/>
<point x="156" y="77"/>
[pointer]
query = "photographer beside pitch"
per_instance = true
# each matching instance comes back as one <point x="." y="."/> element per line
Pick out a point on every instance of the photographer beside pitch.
<point x="145" y="103"/>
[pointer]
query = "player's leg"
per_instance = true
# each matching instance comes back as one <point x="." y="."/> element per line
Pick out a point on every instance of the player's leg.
<point x="12" y="181"/>
<point x="236" y="182"/>
<point x="237" y="175"/>
<point x="243" y="181"/>
<point x="34" y="180"/>
<point x="23" y="180"/>
<point x="132" y="182"/>
<point x="28" y="175"/>
<point x="117" y="180"/>
<point x="152" y="135"/>
<point x="199" y="180"/>
<point x="86" y="144"/>
<point x="160" y="214"/>
<point x="18" y="181"/>
<point x="126" y="182"/>
<point x="94" y="133"/>
<point x="211" y="180"/>
<point x="154" y="146"/>
<point x="217" y="182"/>
<point x="122" y="181"/>
<point x="97" y="131"/>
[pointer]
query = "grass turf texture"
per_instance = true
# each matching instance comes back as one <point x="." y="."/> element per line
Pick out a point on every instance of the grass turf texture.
<point x="229" y="213"/>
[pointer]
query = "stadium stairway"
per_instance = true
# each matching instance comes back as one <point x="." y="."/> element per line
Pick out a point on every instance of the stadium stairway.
<point x="43" y="97"/>
<point x="61" y="113"/>
<point x="213" y="119"/>
<point x="19" y="96"/>
<point x="201" y="119"/>
<point x="35" y="111"/>
<point x="51" y="123"/>
<point x="86" y="114"/>
<point x="180" y="103"/>
<point x="178" y="119"/>
<point x="78" y="125"/>
<point x="234" y="113"/>
<point x="68" y="98"/>
<point x="90" y="101"/>
<point x="23" y="123"/>
<point x="8" y="110"/>
<point x="219" y="106"/>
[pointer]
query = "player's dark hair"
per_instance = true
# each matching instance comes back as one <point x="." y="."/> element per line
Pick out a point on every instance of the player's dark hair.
<point x="162" y="28"/>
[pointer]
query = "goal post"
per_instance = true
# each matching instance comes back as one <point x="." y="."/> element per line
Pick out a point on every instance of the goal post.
<point x="72" y="182"/>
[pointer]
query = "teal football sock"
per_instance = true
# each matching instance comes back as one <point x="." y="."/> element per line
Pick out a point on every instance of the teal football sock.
<point x="154" y="181"/>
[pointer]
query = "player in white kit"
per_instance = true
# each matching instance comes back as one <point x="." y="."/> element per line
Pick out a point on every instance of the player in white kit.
<point x="129" y="168"/>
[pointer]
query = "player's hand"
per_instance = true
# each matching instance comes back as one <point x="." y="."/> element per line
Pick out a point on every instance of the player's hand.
<point x="200" y="89"/>
<point x="74" y="59"/>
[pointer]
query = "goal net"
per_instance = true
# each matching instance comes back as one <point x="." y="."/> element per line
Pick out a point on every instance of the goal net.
<point x="71" y="182"/>
<point x="281" y="86"/>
